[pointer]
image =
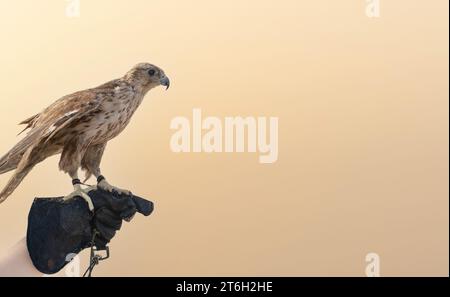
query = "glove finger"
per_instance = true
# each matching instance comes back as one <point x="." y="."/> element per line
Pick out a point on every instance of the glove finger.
<point x="143" y="206"/>
<point x="129" y="218"/>
<point x="111" y="200"/>
<point x="105" y="230"/>
<point x="108" y="218"/>
<point x="128" y="213"/>
<point x="123" y="206"/>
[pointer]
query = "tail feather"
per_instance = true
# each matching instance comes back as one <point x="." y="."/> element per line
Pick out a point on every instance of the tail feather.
<point x="24" y="143"/>
<point x="23" y="168"/>
<point x="19" y="158"/>
<point x="29" y="122"/>
<point x="12" y="158"/>
<point x="8" y="164"/>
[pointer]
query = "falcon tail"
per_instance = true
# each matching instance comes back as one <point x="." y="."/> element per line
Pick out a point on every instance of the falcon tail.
<point x="14" y="182"/>
<point x="8" y="164"/>
<point x="21" y="161"/>
<point x="11" y="159"/>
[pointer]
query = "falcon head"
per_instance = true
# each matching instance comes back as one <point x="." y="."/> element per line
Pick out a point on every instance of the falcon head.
<point x="147" y="76"/>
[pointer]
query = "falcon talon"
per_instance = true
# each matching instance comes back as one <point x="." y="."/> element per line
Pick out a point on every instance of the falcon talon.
<point x="80" y="192"/>
<point x="90" y="189"/>
<point x="104" y="185"/>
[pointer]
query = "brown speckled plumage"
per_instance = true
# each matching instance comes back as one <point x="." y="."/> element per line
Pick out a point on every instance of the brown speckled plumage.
<point x="79" y="125"/>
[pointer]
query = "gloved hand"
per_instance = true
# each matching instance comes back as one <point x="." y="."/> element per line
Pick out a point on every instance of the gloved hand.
<point x="58" y="228"/>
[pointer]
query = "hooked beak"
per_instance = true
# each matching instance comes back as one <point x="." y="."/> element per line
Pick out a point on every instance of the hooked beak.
<point x="164" y="81"/>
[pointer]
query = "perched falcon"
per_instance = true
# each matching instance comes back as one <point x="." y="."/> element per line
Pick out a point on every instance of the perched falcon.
<point x="78" y="126"/>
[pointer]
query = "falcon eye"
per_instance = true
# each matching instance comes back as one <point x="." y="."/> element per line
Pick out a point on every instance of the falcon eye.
<point x="151" y="72"/>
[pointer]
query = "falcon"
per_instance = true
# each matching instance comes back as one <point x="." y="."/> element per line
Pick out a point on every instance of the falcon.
<point x="78" y="126"/>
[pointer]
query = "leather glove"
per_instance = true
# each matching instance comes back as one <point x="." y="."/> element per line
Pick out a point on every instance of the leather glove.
<point x="57" y="228"/>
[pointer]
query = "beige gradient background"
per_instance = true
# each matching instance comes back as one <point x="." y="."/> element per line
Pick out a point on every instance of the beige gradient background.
<point x="363" y="111"/>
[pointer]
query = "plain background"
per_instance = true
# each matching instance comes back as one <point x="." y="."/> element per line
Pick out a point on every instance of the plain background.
<point x="363" y="135"/>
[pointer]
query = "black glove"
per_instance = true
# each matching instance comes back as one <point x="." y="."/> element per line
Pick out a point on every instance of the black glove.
<point x="58" y="228"/>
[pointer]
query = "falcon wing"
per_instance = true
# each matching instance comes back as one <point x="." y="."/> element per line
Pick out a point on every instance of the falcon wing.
<point x="53" y="119"/>
<point x="70" y="109"/>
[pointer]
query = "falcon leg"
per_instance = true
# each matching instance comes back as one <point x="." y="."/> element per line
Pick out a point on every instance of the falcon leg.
<point x="104" y="185"/>
<point x="91" y="163"/>
<point x="80" y="192"/>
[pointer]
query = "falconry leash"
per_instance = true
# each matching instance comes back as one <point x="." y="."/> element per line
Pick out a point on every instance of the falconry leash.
<point x="94" y="259"/>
